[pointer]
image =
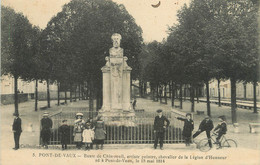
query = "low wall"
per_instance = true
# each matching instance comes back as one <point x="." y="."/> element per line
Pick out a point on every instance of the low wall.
<point x="9" y="98"/>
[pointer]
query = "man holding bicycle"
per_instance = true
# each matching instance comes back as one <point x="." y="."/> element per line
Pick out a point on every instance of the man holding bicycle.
<point x="205" y="125"/>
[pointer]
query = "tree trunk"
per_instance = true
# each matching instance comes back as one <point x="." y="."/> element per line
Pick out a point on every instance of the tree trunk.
<point x="255" y="105"/>
<point x="197" y="94"/>
<point x="145" y="88"/>
<point x="16" y="95"/>
<point x="180" y="96"/>
<point x="65" y="96"/>
<point x="36" y="95"/>
<point x="184" y="92"/>
<point x="165" y="93"/>
<point x="157" y="92"/>
<point x="233" y="100"/>
<point x="48" y="93"/>
<point x="70" y="92"/>
<point x="58" y="85"/>
<point x="75" y="95"/>
<point x="79" y="92"/>
<point x="173" y="94"/>
<point x="244" y="90"/>
<point x="91" y="101"/>
<point x="140" y="88"/>
<point x="192" y="98"/>
<point x="208" y="101"/>
<point x="160" y="93"/>
<point x="219" y="99"/>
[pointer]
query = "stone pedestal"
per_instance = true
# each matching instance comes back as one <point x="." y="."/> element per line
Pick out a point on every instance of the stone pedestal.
<point x="117" y="109"/>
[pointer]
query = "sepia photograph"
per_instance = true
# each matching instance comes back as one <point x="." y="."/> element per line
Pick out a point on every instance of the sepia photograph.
<point x="120" y="82"/>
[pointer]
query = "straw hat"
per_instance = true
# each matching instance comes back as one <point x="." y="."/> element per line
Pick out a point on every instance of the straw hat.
<point x="79" y="114"/>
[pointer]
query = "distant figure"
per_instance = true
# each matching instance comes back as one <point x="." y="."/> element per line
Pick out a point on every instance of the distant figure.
<point x="88" y="136"/>
<point x="134" y="103"/>
<point x="100" y="133"/>
<point x="64" y="131"/>
<point x="205" y="125"/>
<point x="78" y="129"/>
<point x="17" y="130"/>
<point x="160" y="124"/>
<point x="46" y="125"/>
<point x="188" y="128"/>
<point x="221" y="129"/>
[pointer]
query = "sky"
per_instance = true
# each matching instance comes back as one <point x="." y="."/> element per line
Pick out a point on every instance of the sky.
<point x="153" y="21"/>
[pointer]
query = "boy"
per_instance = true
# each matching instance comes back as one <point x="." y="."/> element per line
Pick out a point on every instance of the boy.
<point x="187" y="129"/>
<point x="221" y="129"/>
<point x="64" y="131"/>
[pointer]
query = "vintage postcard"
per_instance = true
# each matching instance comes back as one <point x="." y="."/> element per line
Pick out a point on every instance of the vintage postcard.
<point x="123" y="82"/>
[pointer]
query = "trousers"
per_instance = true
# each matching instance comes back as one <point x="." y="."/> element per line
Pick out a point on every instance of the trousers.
<point x="17" y="139"/>
<point x="158" y="136"/>
<point x="207" y="133"/>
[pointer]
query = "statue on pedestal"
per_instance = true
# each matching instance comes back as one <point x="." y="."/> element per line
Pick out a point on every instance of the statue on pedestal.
<point x="116" y="87"/>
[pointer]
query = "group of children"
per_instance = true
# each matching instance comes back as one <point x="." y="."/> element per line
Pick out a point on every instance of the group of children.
<point x="206" y="125"/>
<point x="83" y="133"/>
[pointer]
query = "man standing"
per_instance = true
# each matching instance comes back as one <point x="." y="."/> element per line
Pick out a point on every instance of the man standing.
<point x="17" y="130"/>
<point x="205" y="125"/>
<point x="160" y="124"/>
<point x="46" y="125"/>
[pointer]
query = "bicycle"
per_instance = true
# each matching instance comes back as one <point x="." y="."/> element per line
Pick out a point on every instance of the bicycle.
<point x="228" y="143"/>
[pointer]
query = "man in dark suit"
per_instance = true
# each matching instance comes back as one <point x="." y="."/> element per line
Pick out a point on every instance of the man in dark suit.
<point x="205" y="125"/>
<point x="159" y="128"/>
<point x="46" y="124"/>
<point x="17" y="130"/>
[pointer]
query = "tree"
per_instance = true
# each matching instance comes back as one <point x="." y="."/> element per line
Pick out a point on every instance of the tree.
<point x="16" y="46"/>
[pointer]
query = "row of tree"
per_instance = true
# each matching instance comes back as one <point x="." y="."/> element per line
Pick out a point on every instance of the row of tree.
<point x="72" y="48"/>
<point x="214" y="39"/>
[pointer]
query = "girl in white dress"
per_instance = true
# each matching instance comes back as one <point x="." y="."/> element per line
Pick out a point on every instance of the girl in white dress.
<point x="88" y="136"/>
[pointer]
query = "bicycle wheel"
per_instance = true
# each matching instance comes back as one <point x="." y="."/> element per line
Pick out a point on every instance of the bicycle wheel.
<point x="204" y="145"/>
<point x="229" y="143"/>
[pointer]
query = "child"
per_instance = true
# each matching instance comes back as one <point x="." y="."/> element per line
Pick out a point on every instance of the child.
<point x="64" y="131"/>
<point x="88" y="136"/>
<point x="100" y="133"/>
<point x="187" y="129"/>
<point x="221" y="129"/>
<point x="78" y="128"/>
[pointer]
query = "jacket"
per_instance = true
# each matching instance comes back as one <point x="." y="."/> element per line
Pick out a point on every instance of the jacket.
<point x="159" y="123"/>
<point x="221" y="128"/>
<point x="188" y="126"/>
<point x="206" y="125"/>
<point x="17" y="125"/>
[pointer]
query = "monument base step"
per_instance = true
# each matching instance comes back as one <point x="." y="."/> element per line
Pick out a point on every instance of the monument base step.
<point x="118" y="117"/>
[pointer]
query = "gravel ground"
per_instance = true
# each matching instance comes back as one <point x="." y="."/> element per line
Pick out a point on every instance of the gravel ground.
<point x="246" y="153"/>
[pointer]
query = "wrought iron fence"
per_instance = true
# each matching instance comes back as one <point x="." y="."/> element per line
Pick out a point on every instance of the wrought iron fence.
<point x="141" y="133"/>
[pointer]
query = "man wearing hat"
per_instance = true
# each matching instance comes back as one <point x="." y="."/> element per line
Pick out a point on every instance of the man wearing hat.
<point x="46" y="125"/>
<point x="205" y="125"/>
<point x="17" y="130"/>
<point x="159" y="128"/>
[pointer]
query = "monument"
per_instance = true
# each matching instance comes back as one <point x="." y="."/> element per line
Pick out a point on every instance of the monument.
<point x="116" y="109"/>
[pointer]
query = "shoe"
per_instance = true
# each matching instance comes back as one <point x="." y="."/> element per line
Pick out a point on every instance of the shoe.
<point x="161" y="148"/>
<point x="15" y="148"/>
<point x="155" y="148"/>
<point x="219" y="147"/>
